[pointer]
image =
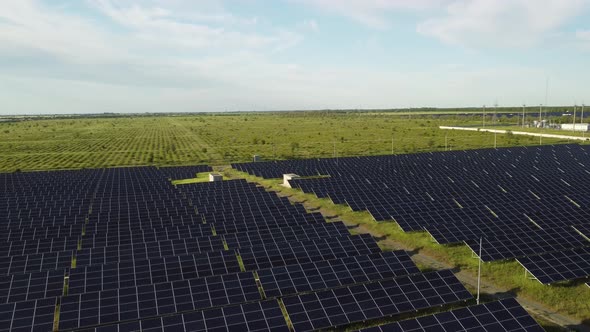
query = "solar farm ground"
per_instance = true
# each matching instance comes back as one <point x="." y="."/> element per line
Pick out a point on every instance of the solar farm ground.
<point x="219" y="140"/>
<point x="565" y="298"/>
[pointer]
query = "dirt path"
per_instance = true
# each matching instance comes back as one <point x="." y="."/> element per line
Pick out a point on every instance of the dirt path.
<point x="468" y="279"/>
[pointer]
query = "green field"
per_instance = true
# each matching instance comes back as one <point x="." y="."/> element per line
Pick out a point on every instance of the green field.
<point x="218" y="139"/>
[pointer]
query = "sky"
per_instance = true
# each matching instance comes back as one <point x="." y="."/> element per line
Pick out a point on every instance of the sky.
<point x="95" y="56"/>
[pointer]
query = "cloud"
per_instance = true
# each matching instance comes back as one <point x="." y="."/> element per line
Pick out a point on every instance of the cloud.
<point x="130" y="44"/>
<point x="153" y="25"/>
<point x="501" y="23"/>
<point x="583" y="35"/>
<point x="310" y="25"/>
<point x="27" y="26"/>
<point x="371" y="13"/>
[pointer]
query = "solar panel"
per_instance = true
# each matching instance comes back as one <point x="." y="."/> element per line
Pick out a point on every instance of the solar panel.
<point x="313" y="276"/>
<point x="273" y="255"/>
<point x="503" y="315"/>
<point x="456" y="196"/>
<point x="341" y="306"/>
<point x="259" y="316"/>
<point x="110" y="306"/>
<point x="558" y="266"/>
<point x="36" y="315"/>
<point x="146" y="272"/>
<point x="26" y="287"/>
<point x="139" y="253"/>
<point x="285" y="234"/>
<point x="526" y="244"/>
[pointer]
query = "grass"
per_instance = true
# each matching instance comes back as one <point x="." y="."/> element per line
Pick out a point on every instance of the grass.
<point x="222" y="139"/>
<point x="567" y="298"/>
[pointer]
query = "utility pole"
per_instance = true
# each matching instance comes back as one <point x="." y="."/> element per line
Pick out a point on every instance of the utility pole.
<point x="495" y="139"/>
<point x="574" y="123"/>
<point x="495" y="112"/>
<point x="479" y="269"/>
<point x="495" y="131"/>
<point x="582" y="122"/>
<point x="391" y="144"/>
<point x="484" y="116"/>
<point x="523" y="107"/>
<point x="540" y="112"/>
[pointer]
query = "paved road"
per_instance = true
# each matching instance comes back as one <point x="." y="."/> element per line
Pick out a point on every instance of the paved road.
<point x="526" y="133"/>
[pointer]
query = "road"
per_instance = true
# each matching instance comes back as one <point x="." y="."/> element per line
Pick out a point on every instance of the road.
<point x="525" y="133"/>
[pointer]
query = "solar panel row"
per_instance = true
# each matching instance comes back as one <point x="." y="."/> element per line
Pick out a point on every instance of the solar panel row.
<point x="141" y="254"/>
<point x="558" y="266"/>
<point x="341" y="306"/>
<point x="503" y="315"/>
<point x="320" y="275"/>
<point x="132" y="303"/>
<point x="259" y="316"/>
<point x="522" y="201"/>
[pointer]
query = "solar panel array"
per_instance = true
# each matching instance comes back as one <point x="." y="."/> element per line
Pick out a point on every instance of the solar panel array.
<point x="123" y="249"/>
<point x="503" y="315"/>
<point x="529" y="203"/>
<point x="184" y="172"/>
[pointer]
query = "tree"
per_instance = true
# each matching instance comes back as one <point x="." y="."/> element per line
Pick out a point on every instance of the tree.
<point x="294" y="147"/>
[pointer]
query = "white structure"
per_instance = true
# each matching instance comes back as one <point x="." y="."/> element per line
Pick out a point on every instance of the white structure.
<point x="575" y="127"/>
<point x="214" y="177"/>
<point x="256" y="158"/>
<point x="540" y="124"/>
<point x="287" y="177"/>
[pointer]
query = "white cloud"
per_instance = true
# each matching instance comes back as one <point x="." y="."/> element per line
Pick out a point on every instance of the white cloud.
<point x="372" y="13"/>
<point x="165" y="55"/>
<point x="154" y="25"/>
<point x="501" y="23"/>
<point x="29" y="26"/>
<point x="583" y="35"/>
<point x="310" y="25"/>
<point x="152" y="43"/>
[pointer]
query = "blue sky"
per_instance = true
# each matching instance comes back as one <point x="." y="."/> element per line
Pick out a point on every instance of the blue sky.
<point x="88" y="56"/>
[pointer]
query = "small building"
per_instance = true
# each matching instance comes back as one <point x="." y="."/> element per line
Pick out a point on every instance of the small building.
<point x="214" y="177"/>
<point x="575" y="127"/>
<point x="256" y="158"/>
<point x="287" y="177"/>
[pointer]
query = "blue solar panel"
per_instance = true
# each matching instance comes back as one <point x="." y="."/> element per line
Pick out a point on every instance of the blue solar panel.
<point x="503" y="315"/>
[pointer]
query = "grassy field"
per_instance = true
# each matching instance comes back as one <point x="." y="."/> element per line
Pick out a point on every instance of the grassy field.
<point x="220" y="139"/>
